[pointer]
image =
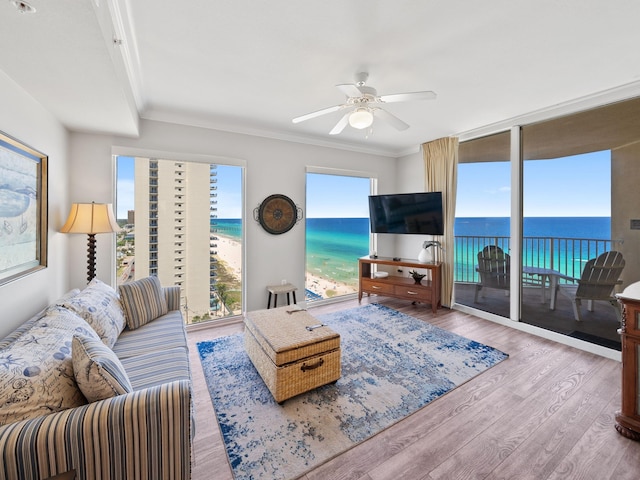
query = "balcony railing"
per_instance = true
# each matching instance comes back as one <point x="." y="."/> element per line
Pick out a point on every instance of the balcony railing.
<point x="565" y="255"/>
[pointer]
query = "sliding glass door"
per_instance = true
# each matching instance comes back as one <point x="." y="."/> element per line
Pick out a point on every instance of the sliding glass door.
<point x="482" y="226"/>
<point x="573" y="190"/>
<point x="567" y="192"/>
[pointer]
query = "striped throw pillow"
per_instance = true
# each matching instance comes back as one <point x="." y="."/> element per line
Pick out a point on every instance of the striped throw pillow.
<point x="97" y="370"/>
<point x="142" y="300"/>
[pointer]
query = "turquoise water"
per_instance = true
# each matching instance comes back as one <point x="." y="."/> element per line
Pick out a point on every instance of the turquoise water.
<point x="335" y="244"/>
<point x="562" y="254"/>
<point x="229" y="227"/>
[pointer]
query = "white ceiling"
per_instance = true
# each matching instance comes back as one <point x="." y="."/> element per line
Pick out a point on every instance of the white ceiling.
<point x="252" y="66"/>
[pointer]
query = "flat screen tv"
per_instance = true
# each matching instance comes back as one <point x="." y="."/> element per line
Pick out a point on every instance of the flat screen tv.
<point x="407" y="213"/>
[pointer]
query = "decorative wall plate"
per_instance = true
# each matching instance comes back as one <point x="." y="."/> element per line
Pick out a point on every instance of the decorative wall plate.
<point x="277" y="214"/>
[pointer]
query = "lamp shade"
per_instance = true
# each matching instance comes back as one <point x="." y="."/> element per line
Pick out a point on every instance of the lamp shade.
<point x="361" y="118"/>
<point x="91" y="218"/>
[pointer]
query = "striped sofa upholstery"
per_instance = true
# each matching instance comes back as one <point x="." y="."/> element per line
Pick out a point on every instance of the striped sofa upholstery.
<point x="145" y="434"/>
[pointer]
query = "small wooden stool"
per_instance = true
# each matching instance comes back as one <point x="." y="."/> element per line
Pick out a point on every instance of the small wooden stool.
<point x="278" y="289"/>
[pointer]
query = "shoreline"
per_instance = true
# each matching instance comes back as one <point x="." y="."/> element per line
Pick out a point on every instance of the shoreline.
<point x="230" y="252"/>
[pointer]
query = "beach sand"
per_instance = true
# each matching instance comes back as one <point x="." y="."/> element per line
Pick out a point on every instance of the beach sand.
<point x="230" y="252"/>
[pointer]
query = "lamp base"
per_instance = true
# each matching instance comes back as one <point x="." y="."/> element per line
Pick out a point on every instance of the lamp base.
<point x="425" y="256"/>
<point x="91" y="257"/>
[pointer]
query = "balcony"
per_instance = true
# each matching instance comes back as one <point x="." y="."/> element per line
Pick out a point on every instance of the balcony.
<point x="564" y="255"/>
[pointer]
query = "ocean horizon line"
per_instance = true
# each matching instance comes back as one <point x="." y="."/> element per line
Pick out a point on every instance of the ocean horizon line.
<point x="334" y="244"/>
<point x="476" y="217"/>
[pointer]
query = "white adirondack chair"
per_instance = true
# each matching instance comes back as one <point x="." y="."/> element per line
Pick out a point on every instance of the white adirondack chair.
<point x="493" y="269"/>
<point x="597" y="282"/>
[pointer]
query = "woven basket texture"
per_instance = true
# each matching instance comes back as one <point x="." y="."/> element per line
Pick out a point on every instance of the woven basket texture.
<point x="283" y="335"/>
<point x="289" y="380"/>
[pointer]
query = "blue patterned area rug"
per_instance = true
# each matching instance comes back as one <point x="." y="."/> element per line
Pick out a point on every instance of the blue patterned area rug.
<point x="392" y="365"/>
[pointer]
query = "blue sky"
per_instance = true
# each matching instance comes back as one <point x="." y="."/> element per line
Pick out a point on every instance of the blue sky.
<point x="124" y="186"/>
<point x="573" y="186"/>
<point x="331" y="196"/>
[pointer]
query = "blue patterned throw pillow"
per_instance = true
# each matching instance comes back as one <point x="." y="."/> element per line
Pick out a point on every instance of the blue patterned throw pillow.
<point x="36" y="370"/>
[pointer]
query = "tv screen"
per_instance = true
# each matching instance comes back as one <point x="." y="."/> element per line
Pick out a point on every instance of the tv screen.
<point x="412" y="213"/>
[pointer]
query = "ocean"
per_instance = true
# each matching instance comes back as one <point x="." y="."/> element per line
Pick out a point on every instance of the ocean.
<point x="335" y="244"/>
<point x="559" y="227"/>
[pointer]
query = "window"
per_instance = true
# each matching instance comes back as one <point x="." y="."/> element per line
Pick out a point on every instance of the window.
<point x="337" y="233"/>
<point x="178" y="236"/>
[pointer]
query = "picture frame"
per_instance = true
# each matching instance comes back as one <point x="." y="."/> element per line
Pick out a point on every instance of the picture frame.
<point x="23" y="209"/>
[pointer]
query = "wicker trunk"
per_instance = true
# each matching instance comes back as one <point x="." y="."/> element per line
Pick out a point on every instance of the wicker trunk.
<point x="290" y="355"/>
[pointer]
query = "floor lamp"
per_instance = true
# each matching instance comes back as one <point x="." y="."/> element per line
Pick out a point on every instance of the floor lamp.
<point x="91" y="218"/>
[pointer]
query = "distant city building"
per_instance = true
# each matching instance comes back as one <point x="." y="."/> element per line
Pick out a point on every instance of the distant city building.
<point x="131" y="217"/>
<point x="174" y="204"/>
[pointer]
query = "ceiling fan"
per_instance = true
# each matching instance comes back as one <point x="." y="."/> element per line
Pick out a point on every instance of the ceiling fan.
<point x="363" y="104"/>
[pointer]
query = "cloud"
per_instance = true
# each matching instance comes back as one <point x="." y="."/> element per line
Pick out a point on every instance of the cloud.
<point x="499" y="190"/>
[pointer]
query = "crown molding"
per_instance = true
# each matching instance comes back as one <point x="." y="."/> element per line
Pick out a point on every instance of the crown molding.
<point x="598" y="99"/>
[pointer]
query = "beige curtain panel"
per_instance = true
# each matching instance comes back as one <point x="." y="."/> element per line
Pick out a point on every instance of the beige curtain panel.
<point x="441" y="168"/>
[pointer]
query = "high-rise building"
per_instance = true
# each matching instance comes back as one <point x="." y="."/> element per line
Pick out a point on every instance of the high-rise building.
<point x="173" y="206"/>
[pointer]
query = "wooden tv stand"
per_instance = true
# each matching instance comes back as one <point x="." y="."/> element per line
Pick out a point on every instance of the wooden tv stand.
<point x="428" y="291"/>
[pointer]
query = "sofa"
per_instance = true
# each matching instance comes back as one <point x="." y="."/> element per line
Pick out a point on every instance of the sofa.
<point x="97" y="386"/>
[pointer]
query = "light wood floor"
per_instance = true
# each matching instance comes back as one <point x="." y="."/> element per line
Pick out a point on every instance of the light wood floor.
<point x="545" y="413"/>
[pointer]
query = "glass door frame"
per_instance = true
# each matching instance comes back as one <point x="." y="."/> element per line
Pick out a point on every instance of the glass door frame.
<point x="516" y="225"/>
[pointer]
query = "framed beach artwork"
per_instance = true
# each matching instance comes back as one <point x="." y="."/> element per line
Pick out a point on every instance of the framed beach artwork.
<point x="23" y="209"/>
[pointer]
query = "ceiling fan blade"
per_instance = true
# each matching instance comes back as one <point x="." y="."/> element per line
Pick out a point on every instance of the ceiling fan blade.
<point x="340" y="125"/>
<point x="406" y="97"/>
<point x="394" y="121"/>
<point x="311" y="115"/>
<point x="350" y="90"/>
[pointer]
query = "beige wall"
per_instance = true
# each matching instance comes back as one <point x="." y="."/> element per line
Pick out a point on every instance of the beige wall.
<point x="625" y="206"/>
<point x="22" y="118"/>
<point x="271" y="166"/>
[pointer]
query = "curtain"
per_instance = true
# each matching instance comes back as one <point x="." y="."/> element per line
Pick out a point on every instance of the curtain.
<point x="441" y="170"/>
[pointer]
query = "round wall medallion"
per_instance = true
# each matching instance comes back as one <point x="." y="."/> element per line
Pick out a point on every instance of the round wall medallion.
<point x="277" y="214"/>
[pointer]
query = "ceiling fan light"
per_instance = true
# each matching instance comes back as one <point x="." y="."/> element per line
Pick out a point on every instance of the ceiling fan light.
<point x="23" y="7"/>
<point x="361" y="118"/>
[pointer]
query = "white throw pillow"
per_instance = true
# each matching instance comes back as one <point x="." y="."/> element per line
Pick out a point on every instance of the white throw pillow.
<point x="100" y="306"/>
<point x="98" y="370"/>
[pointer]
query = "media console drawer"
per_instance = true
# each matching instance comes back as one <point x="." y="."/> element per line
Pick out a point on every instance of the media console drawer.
<point x="400" y="287"/>
<point x="376" y="286"/>
<point x="415" y="292"/>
